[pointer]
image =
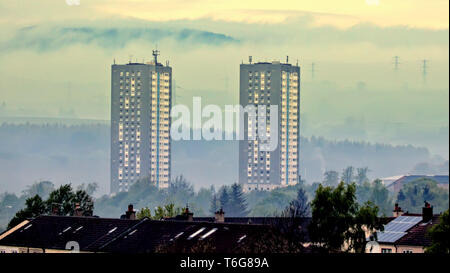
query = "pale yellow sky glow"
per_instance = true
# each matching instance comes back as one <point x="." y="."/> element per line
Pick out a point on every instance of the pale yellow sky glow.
<point x="414" y="13"/>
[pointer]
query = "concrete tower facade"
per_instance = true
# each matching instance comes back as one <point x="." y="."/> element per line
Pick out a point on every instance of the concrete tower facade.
<point x="140" y="124"/>
<point x="268" y="84"/>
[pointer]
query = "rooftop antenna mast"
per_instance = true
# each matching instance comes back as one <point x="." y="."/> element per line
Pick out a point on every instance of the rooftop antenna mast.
<point x="250" y="59"/>
<point x="155" y="53"/>
<point x="287" y="59"/>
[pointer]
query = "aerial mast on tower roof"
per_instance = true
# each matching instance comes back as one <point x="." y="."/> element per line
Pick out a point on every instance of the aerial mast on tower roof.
<point x="155" y="53"/>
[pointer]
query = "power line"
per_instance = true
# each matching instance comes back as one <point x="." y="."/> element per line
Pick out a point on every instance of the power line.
<point x="396" y="62"/>
<point x="424" y="69"/>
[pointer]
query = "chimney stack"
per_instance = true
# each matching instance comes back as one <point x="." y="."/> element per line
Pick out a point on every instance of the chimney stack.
<point x="187" y="215"/>
<point x="130" y="213"/>
<point x="427" y="212"/>
<point x="219" y="216"/>
<point x="397" y="211"/>
<point x="78" y="210"/>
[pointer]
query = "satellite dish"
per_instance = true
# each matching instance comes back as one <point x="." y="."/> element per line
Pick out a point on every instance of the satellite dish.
<point x="373" y="247"/>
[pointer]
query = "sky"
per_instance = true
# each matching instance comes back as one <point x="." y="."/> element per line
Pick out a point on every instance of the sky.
<point x="55" y="58"/>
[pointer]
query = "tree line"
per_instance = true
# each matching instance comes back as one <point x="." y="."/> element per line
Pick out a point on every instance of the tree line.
<point x="338" y="220"/>
<point x="231" y="198"/>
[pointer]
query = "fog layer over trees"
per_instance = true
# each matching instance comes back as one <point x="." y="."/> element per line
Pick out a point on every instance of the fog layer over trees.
<point x="80" y="154"/>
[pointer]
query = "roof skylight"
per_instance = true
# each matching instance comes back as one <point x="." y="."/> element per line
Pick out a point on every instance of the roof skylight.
<point x="196" y="233"/>
<point x="208" y="233"/>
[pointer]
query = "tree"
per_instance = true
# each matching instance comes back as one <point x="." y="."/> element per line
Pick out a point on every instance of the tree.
<point x="292" y="218"/>
<point x="159" y="213"/>
<point x="224" y="199"/>
<point x="61" y="201"/>
<point x="361" y="175"/>
<point x="167" y="211"/>
<point x="9" y="205"/>
<point x="42" y="189"/>
<point x="85" y="201"/>
<point x="237" y="202"/>
<point x="180" y="191"/>
<point x="34" y="207"/>
<point x="347" y="175"/>
<point x="440" y="238"/>
<point x="144" y="213"/>
<point x="380" y="196"/>
<point x="331" y="178"/>
<point x="338" y="222"/>
<point x="202" y="201"/>
<point x="413" y="194"/>
<point x="299" y="207"/>
<point x="366" y="219"/>
<point x="170" y="210"/>
<point x="363" y="192"/>
<point x="214" y="206"/>
<point x="90" y="188"/>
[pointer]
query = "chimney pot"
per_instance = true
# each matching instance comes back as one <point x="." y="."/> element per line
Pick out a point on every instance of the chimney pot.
<point x="219" y="216"/>
<point x="188" y="216"/>
<point x="130" y="214"/>
<point x="78" y="211"/>
<point x="427" y="212"/>
<point x="397" y="211"/>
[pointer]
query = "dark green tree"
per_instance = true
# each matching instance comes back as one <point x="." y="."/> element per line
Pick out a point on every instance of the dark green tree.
<point x="440" y="236"/>
<point x="34" y="207"/>
<point x="237" y="204"/>
<point x="143" y="213"/>
<point x="85" y="201"/>
<point x="224" y="199"/>
<point x="214" y="206"/>
<point x="167" y="211"/>
<point x="299" y="207"/>
<point x="61" y="201"/>
<point x="413" y="194"/>
<point x="338" y="221"/>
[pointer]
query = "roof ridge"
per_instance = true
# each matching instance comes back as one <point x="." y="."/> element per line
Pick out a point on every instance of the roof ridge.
<point x="123" y="233"/>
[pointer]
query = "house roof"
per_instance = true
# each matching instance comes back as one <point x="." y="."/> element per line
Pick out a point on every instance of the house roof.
<point x="414" y="234"/>
<point x="153" y="236"/>
<point x="301" y="222"/>
<point x="440" y="179"/>
<point x="417" y="236"/>
<point x="53" y="232"/>
<point x="95" y="234"/>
